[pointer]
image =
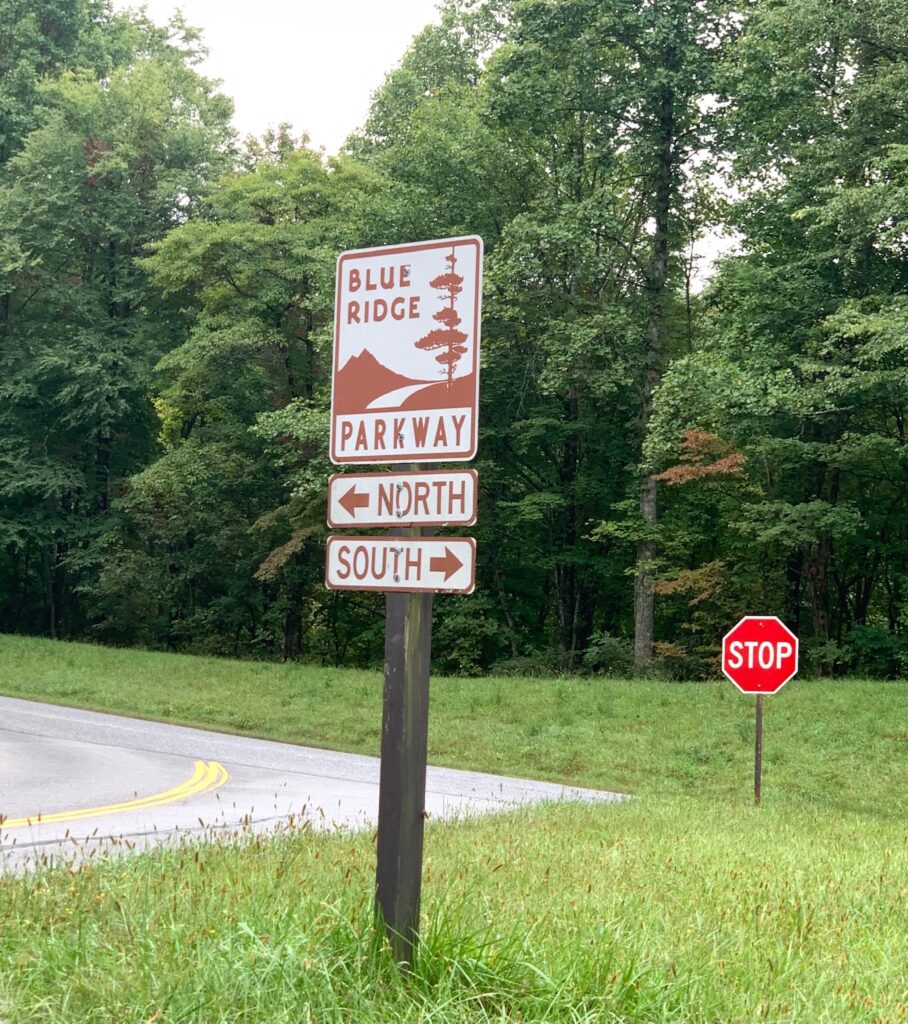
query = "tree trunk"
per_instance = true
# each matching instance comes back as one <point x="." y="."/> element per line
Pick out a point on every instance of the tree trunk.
<point x="24" y="589"/>
<point x="50" y="606"/>
<point x="657" y="279"/>
<point x="6" y="312"/>
<point x="793" y="575"/>
<point x="644" y="598"/>
<point x="864" y="588"/>
<point x="817" y="563"/>
<point x="505" y="608"/>
<point x="103" y="454"/>
<point x="291" y="624"/>
<point x="566" y="582"/>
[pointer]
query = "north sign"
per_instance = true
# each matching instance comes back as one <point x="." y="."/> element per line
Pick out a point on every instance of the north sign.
<point x="446" y="498"/>
<point x="405" y="380"/>
<point x="408" y="564"/>
<point x="760" y="654"/>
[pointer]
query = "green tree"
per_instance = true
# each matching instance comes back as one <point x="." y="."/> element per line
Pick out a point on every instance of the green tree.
<point x="804" y="363"/>
<point x="37" y="39"/>
<point x="610" y="99"/>
<point x="112" y="163"/>
<point x="247" y="392"/>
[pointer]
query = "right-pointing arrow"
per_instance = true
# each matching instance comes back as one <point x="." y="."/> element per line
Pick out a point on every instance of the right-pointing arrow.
<point x="448" y="563"/>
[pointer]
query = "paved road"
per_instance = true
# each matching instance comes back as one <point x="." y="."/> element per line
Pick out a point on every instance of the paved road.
<point x="71" y="780"/>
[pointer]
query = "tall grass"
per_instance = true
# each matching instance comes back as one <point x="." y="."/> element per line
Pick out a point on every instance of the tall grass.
<point x="687" y="904"/>
<point x="666" y="909"/>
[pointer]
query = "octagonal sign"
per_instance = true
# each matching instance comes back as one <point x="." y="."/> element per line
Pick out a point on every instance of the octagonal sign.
<point x="760" y="654"/>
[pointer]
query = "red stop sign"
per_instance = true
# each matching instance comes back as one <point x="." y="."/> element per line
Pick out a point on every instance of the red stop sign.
<point x="760" y="654"/>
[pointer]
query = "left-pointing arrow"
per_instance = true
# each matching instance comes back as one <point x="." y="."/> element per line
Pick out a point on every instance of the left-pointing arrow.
<point x="353" y="500"/>
<point x="448" y="563"/>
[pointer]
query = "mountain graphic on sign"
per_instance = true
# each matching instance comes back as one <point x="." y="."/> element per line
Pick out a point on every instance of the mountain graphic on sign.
<point x="363" y="383"/>
<point x="362" y="380"/>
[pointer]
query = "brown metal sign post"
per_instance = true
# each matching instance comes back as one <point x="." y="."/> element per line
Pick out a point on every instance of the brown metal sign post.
<point x="759" y="655"/>
<point x="405" y="387"/>
<point x="404" y="747"/>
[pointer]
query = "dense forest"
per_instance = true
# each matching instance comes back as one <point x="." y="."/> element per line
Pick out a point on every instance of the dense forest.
<point x="661" y="449"/>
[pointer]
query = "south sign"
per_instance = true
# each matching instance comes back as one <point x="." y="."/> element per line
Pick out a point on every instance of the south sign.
<point x="407" y="564"/>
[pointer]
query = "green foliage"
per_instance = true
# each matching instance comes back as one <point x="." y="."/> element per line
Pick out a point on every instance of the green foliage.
<point x="609" y="655"/>
<point x="828" y="743"/>
<point x="875" y="652"/>
<point x="670" y="906"/>
<point x="804" y="358"/>
<point x="36" y="39"/>
<point x="166" y="308"/>
<point x="796" y="916"/>
<point x="119" y="149"/>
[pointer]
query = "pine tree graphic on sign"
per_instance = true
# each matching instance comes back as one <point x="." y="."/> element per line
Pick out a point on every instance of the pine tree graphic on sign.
<point x="448" y="337"/>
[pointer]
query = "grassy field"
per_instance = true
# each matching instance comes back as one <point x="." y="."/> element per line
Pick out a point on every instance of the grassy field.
<point x="687" y="904"/>
<point x="838" y="745"/>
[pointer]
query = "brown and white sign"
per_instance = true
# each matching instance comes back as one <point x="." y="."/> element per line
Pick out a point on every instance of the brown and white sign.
<point x="405" y="381"/>
<point x="415" y="498"/>
<point x="401" y="563"/>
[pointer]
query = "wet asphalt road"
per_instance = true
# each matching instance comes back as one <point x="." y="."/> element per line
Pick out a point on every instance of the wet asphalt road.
<point x="73" y="780"/>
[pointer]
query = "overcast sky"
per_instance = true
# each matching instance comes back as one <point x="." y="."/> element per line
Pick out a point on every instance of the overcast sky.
<point x="314" y="63"/>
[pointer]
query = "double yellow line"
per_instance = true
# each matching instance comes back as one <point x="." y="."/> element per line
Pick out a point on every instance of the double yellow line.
<point x="208" y="775"/>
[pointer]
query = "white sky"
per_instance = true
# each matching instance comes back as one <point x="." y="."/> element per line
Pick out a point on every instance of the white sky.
<point x="314" y="63"/>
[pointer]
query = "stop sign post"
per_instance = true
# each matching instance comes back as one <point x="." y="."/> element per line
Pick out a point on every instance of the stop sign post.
<point x="759" y="655"/>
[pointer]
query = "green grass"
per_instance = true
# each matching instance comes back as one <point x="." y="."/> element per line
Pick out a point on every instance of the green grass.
<point x="685" y="905"/>
<point x="662" y="910"/>
<point x="837" y="745"/>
